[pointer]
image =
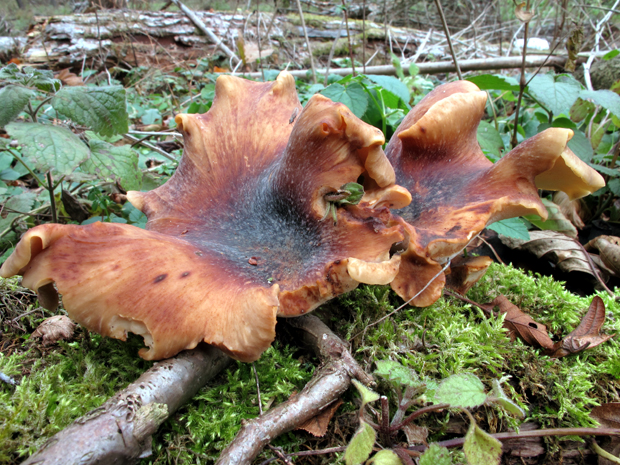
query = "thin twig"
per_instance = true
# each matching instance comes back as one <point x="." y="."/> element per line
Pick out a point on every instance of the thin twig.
<point x="346" y="22"/>
<point x="50" y="187"/>
<point x="260" y="403"/>
<point x="303" y="25"/>
<point x="332" y="50"/>
<point x="154" y="148"/>
<point x="522" y="82"/>
<point x="492" y="250"/>
<point x="19" y="159"/>
<point x="364" y="35"/>
<point x="447" y="31"/>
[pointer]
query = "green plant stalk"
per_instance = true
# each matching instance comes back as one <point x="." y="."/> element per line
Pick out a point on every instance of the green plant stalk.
<point x="380" y="107"/>
<point x="494" y="111"/>
<point x="19" y="159"/>
<point x="39" y="107"/>
<point x="33" y="212"/>
<point x="50" y="188"/>
<point x="32" y="113"/>
<point x="603" y="453"/>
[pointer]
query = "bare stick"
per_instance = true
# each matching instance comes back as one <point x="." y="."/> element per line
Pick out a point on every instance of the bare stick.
<point x="439" y="67"/>
<point x="331" y="51"/>
<point x="364" y="35"/>
<point x="447" y="31"/>
<point x="522" y="84"/>
<point x="303" y="26"/>
<point x="205" y="30"/>
<point x="50" y="187"/>
<point x="346" y="21"/>
<point x="328" y="383"/>
<point x="120" y="430"/>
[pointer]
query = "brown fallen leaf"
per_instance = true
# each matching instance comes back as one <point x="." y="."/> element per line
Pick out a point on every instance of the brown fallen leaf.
<point x="608" y="415"/>
<point x="586" y="335"/>
<point x="609" y="251"/>
<point x="575" y="210"/>
<point x="68" y="78"/>
<point x="466" y="271"/>
<point x="520" y="324"/>
<point x="415" y="434"/>
<point x="54" y="329"/>
<point x="522" y="14"/>
<point x="317" y="426"/>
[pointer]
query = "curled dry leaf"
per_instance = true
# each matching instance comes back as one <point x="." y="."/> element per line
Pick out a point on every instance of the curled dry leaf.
<point x="586" y="335"/>
<point x="520" y="324"/>
<point x="608" y="415"/>
<point x="466" y="271"/>
<point x="556" y="220"/>
<point x="609" y="251"/>
<point x="415" y="434"/>
<point x="562" y="250"/>
<point x="54" y="329"/>
<point x="68" y="78"/>
<point x="317" y="426"/>
<point x="574" y="210"/>
<point x="522" y="14"/>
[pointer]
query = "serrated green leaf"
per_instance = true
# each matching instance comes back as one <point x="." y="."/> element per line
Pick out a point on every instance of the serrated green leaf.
<point x="22" y="202"/>
<point x="353" y="96"/>
<point x="614" y="185"/>
<point x="368" y="395"/>
<point x="461" y="390"/>
<point x="481" y="448"/>
<point x="494" y="82"/>
<point x="103" y="109"/>
<point x="436" y="455"/>
<point x="396" y="373"/>
<point x="556" y="93"/>
<point x="604" y="170"/>
<point x="556" y="221"/>
<point x="385" y="457"/>
<point x="605" y="98"/>
<point x="393" y="85"/>
<point x="13" y="99"/>
<point x="489" y="139"/>
<point x="511" y="227"/>
<point x="46" y="147"/>
<point x="114" y="163"/>
<point x="9" y="72"/>
<point x="360" y="447"/>
<point x="501" y="399"/>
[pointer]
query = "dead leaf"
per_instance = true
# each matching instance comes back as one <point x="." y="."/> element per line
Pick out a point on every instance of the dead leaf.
<point x="608" y="415"/>
<point x="609" y="251"/>
<point x="575" y="210"/>
<point x="556" y="221"/>
<point x="74" y="208"/>
<point x="586" y="335"/>
<point x="317" y="426"/>
<point x="415" y="434"/>
<point x="68" y="78"/>
<point x="466" y="271"/>
<point x="522" y="14"/>
<point x="520" y="324"/>
<point x="55" y="329"/>
<point x="562" y="250"/>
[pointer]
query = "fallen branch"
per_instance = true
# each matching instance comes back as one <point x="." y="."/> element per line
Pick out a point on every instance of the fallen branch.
<point x="328" y="383"/>
<point x="120" y="430"/>
<point x="478" y="64"/>
<point x="205" y="30"/>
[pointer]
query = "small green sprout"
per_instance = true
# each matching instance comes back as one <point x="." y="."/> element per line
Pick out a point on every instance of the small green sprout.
<point x="349" y="194"/>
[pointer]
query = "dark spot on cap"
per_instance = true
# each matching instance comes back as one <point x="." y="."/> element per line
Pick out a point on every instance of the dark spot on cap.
<point x="423" y="129"/>
<point x="337" y="262"/>
<point x="160" y="278"/>
<point x="185" y="275"/>
<point x="199" y="253"/>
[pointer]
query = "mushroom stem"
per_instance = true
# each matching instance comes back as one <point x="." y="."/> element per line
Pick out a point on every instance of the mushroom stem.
<point x="329" y="383"/>
<point x="124" y="424"/>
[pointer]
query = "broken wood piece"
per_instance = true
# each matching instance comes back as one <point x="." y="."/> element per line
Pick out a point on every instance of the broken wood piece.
<point x="327" y="385"/>
<point x="120" y="430"/>
<point x="200" y="25"/>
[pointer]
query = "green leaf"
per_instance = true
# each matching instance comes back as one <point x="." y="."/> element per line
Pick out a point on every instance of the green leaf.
<point x="556" y="221"/>
<point x="368" y="395"/>
<point x="103" y="109"/>
<point x="397" y="66"/>
<point x="462" y="390"/>
<point x="580" y="145"/>
<point x="436" y="455"/>
<point x="46" y="147"/>
<point x="396" y="373"/>
<point x="23" y="202"/>
<point x="604" y="170"/>
<point x="556" y="93"/>
<point x="611" y="54"/>
<point x="512" y="227"/>
<point x="580" y="109"/>
<point x="614" y="186"/>
<point x="353" y="96"/>
<point x="360" y="447"/>
<point x="494" y="82"/>
<point x="481" y="448"/>
<point x="13" y="99"/>
<point x="385" y="457"/>
<point x="414" y="70"/>
<point x="503" y="401"/>
<point x="608" y="99"/>
<point x="114" y="163"/>
<point x="393" y="85"/>
<point x="489" y="139"/>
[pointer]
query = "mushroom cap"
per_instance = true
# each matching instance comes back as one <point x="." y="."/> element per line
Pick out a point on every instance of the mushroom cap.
<point x="235" y="237"/>
<point x="456" y="191"/>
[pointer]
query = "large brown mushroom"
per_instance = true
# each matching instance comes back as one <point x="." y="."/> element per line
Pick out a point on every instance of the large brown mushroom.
<point x="236" y="236"/>
<point x="456" y="191"/>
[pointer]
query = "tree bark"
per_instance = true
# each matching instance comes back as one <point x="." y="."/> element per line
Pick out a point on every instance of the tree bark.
<point x="119" y="432"/>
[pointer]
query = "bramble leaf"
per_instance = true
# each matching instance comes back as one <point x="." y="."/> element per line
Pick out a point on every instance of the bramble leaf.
<point x="436" y="455"/>
<point x="490" y="141"/>
<point x="393" y="85"/>
<point x="511" y="227"/>
<point x="353" y="96"/>
<point x="103" y="109"/>
<point x="481" y="448"/>
<point x="113" y="163"/>
<point x="462" y="390"/>
<point x="495" y="82"/>
<point x="360" y="447"/>
<point x="47" y="147"/>
<point x="556" y="93"/>
<point x="13" y="99"/>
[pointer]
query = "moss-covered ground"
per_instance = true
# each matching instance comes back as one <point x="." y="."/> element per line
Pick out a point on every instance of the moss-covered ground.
<point x="61" y="382"/>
